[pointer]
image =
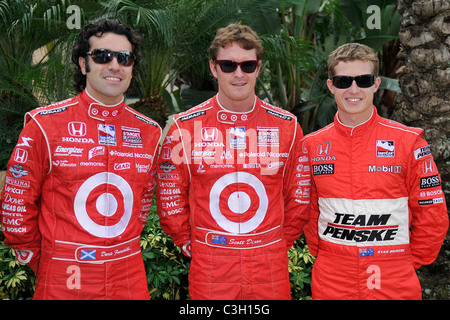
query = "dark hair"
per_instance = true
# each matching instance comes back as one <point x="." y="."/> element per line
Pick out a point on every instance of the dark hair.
<point x="98" y="28"/>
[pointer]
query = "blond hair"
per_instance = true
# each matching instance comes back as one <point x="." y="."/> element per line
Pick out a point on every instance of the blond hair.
<point x="352" y="52"/>
<point x="236" y="32"/>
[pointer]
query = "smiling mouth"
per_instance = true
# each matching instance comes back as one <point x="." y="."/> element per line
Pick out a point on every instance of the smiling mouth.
<point x="353" y="99"/>
<point x="111" y="78"/>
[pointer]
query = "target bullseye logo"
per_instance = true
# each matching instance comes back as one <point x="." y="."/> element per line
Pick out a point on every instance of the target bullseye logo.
<point x="106" y="204"/>
<point x="238" y="202"/>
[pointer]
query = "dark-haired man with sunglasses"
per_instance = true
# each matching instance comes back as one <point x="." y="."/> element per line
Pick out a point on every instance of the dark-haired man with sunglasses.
<point x="80" y="182"/>
<point x="377" y="208"/>
<point x="229" y="190"/>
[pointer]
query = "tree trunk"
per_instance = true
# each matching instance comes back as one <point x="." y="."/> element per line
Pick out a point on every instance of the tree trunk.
<point x="425" y="76"/>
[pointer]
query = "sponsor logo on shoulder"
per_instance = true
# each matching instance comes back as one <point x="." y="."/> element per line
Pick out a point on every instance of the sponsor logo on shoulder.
<point x="430" y="182"/>
<point x="52" y="111"/>
<point x="193" y="115"/>
<point x="279" y="115"/>
<point x="145" y="120"/>
<point x="422" y="152"/>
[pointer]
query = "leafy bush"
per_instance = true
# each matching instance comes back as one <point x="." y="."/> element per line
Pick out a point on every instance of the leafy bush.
<point x="166" y="267"/>
<point x="17" y="281"/>
<point x="300" y="268"/>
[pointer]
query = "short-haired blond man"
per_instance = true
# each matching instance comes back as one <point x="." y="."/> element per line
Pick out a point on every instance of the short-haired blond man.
<point x="377" y="208"/>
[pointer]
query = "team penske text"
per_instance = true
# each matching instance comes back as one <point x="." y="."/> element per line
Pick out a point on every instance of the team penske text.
<point x="360" y="229"/>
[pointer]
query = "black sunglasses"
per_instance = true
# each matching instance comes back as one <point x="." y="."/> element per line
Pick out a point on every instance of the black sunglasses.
<point x="229" y="66"/>
<point x="102" y="56"/>
<point x="362" y="81"/>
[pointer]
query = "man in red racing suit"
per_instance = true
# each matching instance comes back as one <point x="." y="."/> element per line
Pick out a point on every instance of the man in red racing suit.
<point x="228" y="193"/>
<point x="77" y="194"/>
<point x="227" y="187"/>
<point x="91" y="167"/>
<point x="377" y="208"/>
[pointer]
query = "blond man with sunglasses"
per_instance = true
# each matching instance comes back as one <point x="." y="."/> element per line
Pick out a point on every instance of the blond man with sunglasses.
<point x="229" y="190"/>
<point x="80" y="182"/>
<point x="377" y="208"/>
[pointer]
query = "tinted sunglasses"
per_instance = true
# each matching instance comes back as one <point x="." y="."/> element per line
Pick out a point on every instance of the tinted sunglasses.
<point x="102" y="56"/>
<point x="229" y="66"/>
<point x="363" y="81"/>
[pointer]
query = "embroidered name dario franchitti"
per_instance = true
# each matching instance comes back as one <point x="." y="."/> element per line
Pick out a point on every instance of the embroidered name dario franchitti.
<point x="361" y="228"/>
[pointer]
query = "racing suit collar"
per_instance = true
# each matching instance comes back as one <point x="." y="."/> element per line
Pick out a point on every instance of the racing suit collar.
<point x="235" y="117"/>
<point x="358" y="130"/>
<point x="98" y="110"/>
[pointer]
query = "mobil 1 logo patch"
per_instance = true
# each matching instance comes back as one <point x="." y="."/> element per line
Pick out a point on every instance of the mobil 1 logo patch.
<point x="321" y="169"/>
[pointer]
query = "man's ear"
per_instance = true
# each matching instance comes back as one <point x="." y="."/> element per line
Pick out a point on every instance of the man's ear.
<point x="212" y="67"/>
<point x="83" y="65"/>
<point x="258" y="69"/>
<point x="377" y="83"/>
<point x="330" y="86"/>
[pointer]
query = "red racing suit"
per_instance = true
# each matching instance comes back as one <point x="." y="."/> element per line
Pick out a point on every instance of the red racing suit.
<point x="77" y="194"/>
<point x="377" y="210"/>
<point x="227" y="190"/>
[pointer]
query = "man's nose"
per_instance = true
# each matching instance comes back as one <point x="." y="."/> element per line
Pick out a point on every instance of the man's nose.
<point x="238" y="72"/>
<point x="114" y="64"/>
<point x="354" y="87"/>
